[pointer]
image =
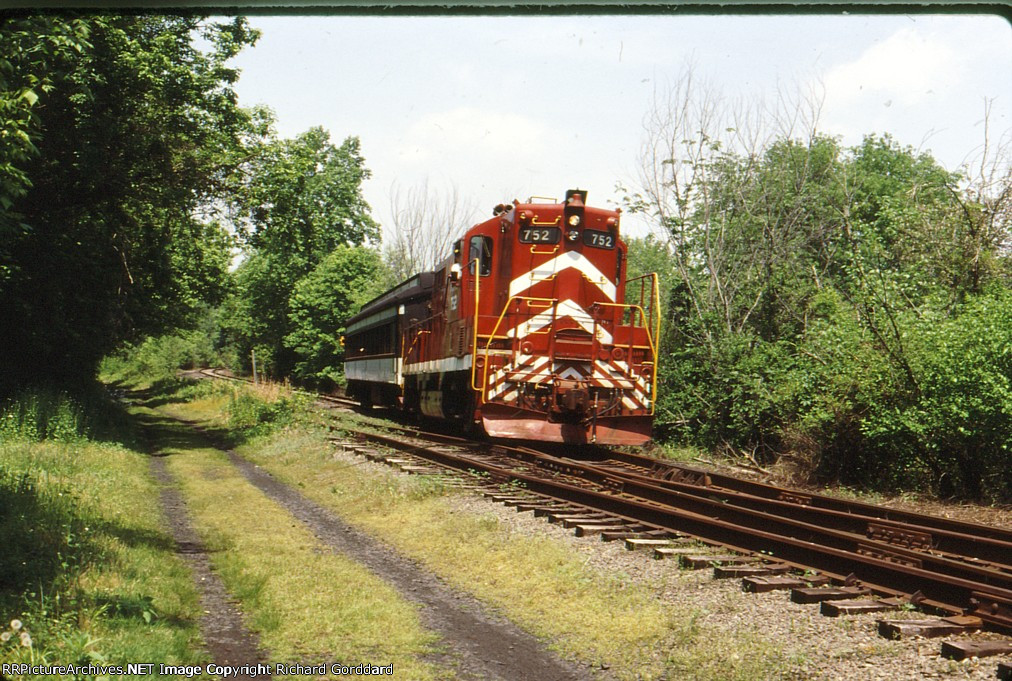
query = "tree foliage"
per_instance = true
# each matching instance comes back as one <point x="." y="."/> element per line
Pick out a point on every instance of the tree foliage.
<point x="320" y="304"/>
<point x="298" y="201"/>
<point x="834" y="309"/>
<point x="120" y="128"/>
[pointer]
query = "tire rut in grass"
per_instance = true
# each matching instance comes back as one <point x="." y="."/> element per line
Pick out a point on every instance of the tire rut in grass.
<point x="227" y="639"/>
<point x="482" y="646"/>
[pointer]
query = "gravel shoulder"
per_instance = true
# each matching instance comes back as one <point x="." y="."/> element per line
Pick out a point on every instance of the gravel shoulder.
<point x="814" y="646"/>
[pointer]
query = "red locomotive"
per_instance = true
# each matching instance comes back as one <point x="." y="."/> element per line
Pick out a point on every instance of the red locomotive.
<point x="528" y="330"/>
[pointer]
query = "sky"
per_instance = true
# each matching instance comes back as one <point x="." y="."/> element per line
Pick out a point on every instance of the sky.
<point x="505" y="107"/>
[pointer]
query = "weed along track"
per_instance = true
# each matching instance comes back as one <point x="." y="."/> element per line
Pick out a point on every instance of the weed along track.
<point x="965" y="564"/>
<point x="487" y="647"/>
<point x="627" y="501"/>
<point x="958" y="573"/>
<point x="479" y="645"/>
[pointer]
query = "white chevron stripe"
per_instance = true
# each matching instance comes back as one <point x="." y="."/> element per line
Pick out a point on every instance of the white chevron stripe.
<point x="566" y="308"/>
<point x="572" y="373"/>
<point x="559" y="263"/>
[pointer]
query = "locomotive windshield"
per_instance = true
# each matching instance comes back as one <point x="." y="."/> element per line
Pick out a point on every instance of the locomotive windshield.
<point x="480" y="250"/>
<point x="540" y="235"/>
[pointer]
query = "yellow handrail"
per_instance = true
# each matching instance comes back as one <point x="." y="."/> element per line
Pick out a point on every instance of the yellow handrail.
<point x="502" y="315"/>
<point x="643" y="316"/>
<point x="653" y="335"/>
<point x="474" y="341"/>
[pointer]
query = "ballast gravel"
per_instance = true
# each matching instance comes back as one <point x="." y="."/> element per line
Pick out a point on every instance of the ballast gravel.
<point x="813" y="646"/>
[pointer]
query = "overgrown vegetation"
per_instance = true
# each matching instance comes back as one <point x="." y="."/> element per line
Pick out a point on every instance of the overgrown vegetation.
<point x="836" y="311"/>
<point x="119" y="135"/>
<point x="596" y="617"/>
<point x="86" y="569"/>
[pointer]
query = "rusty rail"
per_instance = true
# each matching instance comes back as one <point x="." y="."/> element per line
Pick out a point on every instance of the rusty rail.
<point x="949" y="585"/>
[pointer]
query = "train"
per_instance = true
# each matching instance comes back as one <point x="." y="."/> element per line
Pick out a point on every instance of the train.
<point x="528" y="330"/>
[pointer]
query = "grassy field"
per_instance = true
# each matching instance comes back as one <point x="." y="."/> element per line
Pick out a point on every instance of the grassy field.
<point x="307" y="604"/>
<point x="86" y="568"/>
<point x="92" y="577"/>
<point x="594" y="616"/>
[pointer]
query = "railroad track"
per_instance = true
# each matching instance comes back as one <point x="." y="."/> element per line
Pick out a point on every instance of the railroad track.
<point x="331" y="400"/>
<point x="853" y="557"/>
<point x="851" y="568"/>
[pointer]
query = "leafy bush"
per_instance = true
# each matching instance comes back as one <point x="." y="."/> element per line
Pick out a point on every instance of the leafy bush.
<point x="320" y="303"/>
<point x="957" y="424"/>
<point x="260" y="410"/>
<point x="933" y="412"/>
<point x="158" y="358"/>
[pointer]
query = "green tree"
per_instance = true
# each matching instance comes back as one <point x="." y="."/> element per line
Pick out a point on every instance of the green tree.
<point x="299" y="200"/>
<point x="302" y="197"/>
<point x="131" y="135"/>
<point x="321" y="302"/>
<point x="832" y="308"/>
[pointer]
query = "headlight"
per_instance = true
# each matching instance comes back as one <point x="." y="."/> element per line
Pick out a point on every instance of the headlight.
<point x="574" y="220"/>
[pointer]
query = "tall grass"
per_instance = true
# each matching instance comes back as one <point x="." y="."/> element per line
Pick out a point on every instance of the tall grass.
<point x="259" y="410"/>
<point x="46" y="413"/>
<point x="84" y="564"/>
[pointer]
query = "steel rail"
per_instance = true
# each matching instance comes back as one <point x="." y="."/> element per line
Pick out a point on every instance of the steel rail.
<point x="667" y="470"/>
<point x="918" y="532"/>
<point x="941" y="583"/>
<point x="935" y="581"/>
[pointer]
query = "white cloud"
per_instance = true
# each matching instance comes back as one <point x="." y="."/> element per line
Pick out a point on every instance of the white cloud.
<point x="903" y="69"/>
<point x="469" y="132"/>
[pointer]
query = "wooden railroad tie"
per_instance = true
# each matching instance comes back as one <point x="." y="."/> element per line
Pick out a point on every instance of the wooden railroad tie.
<point x="760" y="585"/>
<point x="927" y="628"/>
<point x="630" y="533"/>
<point x="633" y="543"/>
<point x="964" y="650"/>
<point x="806" y="595"/>
<point x="664" y="552"/>
<point x="857" y="606"/>
<point x="701" y="562"/>
<point x="738" y="571"/>
<point x="588" y="530"/>
<point x="584" y="516"/>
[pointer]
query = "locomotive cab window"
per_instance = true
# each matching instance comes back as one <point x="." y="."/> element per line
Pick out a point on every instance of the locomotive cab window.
<point x="540" y="235"/>
<point x="598" y="239"/>
<point x="480" y="250"/>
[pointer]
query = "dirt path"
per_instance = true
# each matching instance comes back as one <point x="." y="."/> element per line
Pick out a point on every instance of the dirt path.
<point x="227" y="639"/>
<point x="481" y="645"/>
